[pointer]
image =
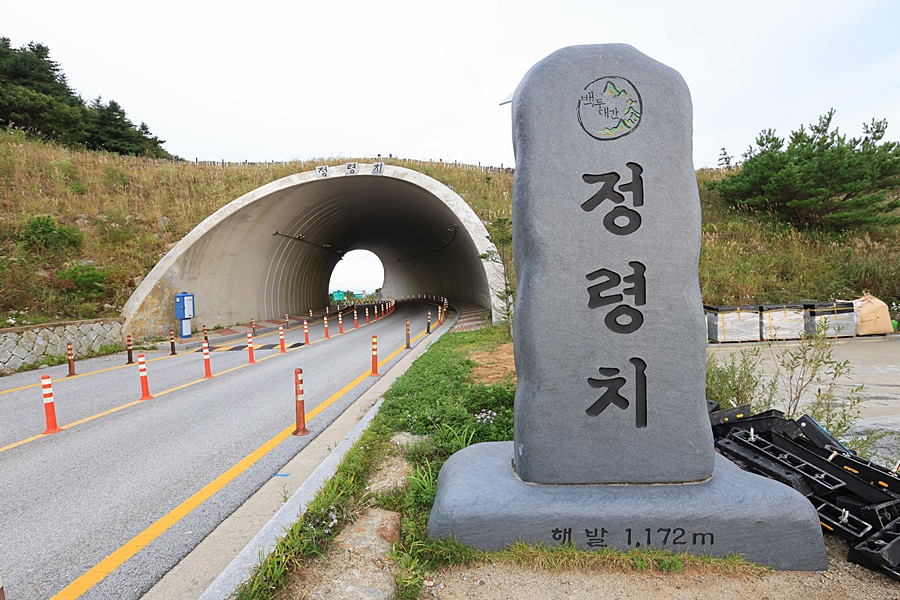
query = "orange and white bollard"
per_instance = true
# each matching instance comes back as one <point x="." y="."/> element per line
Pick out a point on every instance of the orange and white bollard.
<point x="326" y="327"/>
<point x="250" y="360"/>
<point x="49" y="407"/>
<point x="374" y="356"/>
<point x="407" y="335"/>
<point x="340" y="323"/>
<point x="206" y="366"/>
<point x="128" y="348"/>
<point x="305" y="333"/>
<point x="355" y="320"/>
<point x="367" y="315"/>
<point x="281" y="339"/>
<point x="428" y="324"/>
<point x="301" y="408"/>
<point x="287" y="321"/>
<point x="70" y="356"/>
<point x="142" y="371"/>
<point x="205" y="335"/>
<point x="375" y="312"/>
<point x="172" y="343"/>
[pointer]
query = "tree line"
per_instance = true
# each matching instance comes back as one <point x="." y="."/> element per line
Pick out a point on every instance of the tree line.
<point x="35" y="97"/>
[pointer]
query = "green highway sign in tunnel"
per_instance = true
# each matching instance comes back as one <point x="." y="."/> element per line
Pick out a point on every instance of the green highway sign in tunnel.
<point x="271" y="252"/>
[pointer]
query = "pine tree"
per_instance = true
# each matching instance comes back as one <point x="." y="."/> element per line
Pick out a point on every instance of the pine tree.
<point x="822" y="179"/>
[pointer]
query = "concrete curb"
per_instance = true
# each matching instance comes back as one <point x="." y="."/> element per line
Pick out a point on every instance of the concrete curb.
<point x="263" y="543"/>
<point x="240" y="569"/>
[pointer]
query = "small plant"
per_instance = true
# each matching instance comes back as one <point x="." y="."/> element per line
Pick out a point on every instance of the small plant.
<point x="738" y="381"/>
<point x="42" y="232"/>
<point x="87" y="280"/>
<point x="805" y="380"/>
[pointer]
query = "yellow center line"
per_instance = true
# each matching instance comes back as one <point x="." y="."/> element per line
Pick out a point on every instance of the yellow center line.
<point x="107" y="369"/>
<point x="164" y="392"/>
<point x="112" y="562"/>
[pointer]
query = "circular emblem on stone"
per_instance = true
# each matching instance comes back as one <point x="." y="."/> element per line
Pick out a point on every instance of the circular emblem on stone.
<point x="609" y="108"/>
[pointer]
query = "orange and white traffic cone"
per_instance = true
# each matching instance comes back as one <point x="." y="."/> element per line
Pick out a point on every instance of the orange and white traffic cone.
<point x="301" y="408"/>
<point x="142" y="371"/>
<point x="206" y="366"/>
<point x="49" y="406"/>
<point x="374" y="356"/>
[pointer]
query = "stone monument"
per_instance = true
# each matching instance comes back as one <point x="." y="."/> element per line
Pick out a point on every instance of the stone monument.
<point x="613" y="446"/>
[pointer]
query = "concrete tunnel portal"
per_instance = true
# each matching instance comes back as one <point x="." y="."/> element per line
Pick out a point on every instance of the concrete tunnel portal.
<point x="426" y="236"/>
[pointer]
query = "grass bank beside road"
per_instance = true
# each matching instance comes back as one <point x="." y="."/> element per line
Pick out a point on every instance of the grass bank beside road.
<point x="439" y="398"/>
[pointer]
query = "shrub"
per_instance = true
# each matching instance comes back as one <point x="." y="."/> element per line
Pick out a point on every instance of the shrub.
<point x="87" y="280"/>
<point x="42" y="232"/>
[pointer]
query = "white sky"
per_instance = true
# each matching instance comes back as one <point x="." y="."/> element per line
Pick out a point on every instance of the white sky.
<point x="299" y="80"/>
<point x="359" y="271"/>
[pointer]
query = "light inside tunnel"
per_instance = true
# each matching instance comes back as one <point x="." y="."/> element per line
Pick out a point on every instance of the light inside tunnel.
<point x="272" y="251"/>
<point x="358" y="271"/>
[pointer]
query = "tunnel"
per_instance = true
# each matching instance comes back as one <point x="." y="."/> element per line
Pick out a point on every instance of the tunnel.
<point x="271" y="252"/>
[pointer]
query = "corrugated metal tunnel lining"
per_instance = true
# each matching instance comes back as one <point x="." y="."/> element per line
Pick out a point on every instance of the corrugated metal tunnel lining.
<point x="427" y="238"/>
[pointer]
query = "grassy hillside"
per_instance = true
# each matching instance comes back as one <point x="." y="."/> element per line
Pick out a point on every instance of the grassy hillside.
<point x="130" y="211"/>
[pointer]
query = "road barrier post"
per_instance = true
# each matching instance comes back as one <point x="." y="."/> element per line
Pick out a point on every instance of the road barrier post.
<point x="305" y="333"/>
<point x="355" y="319"/>
<point x="326" y="327"/>
<point x="340" y="323"/>
<point x="172" y="343"/>
<point x="70" y="356"/>
<point x="407" y="335"/>
<point x="129" y="350"/>
<point x="49" y="406"/>
<point x="250" y="360"/>
<point x="142" y="371"/>
<point x="281" y="338"/>
<point x="2" y="593"/>
<point x="374" y="356"/>
<point x="375" y="312"/>
<point x="206" y="366"/>
<point x="253" y="326"/>
<point x="428" y="323"/>
<point x="287" y="321"/>
<point x="301" y="409"/>
<point x="367" y="315"/>
<point x="205" y="336"/>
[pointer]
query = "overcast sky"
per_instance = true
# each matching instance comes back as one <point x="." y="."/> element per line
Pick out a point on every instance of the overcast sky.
<point x="298" y="80"/>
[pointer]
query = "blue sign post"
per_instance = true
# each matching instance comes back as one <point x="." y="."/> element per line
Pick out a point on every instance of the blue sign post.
<point x="184" y="312"/>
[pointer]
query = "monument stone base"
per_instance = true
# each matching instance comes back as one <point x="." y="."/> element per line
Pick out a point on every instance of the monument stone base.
<point x="482" y="503"/>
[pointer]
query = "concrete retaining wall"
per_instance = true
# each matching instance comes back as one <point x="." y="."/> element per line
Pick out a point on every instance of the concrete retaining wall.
<point x="28" y="345"/>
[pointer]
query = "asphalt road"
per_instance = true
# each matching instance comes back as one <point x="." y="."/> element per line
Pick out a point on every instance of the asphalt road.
<point x="70" y="500"/>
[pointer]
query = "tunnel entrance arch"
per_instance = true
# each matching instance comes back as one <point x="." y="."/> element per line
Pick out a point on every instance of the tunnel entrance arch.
<point x="271" y="252"/>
